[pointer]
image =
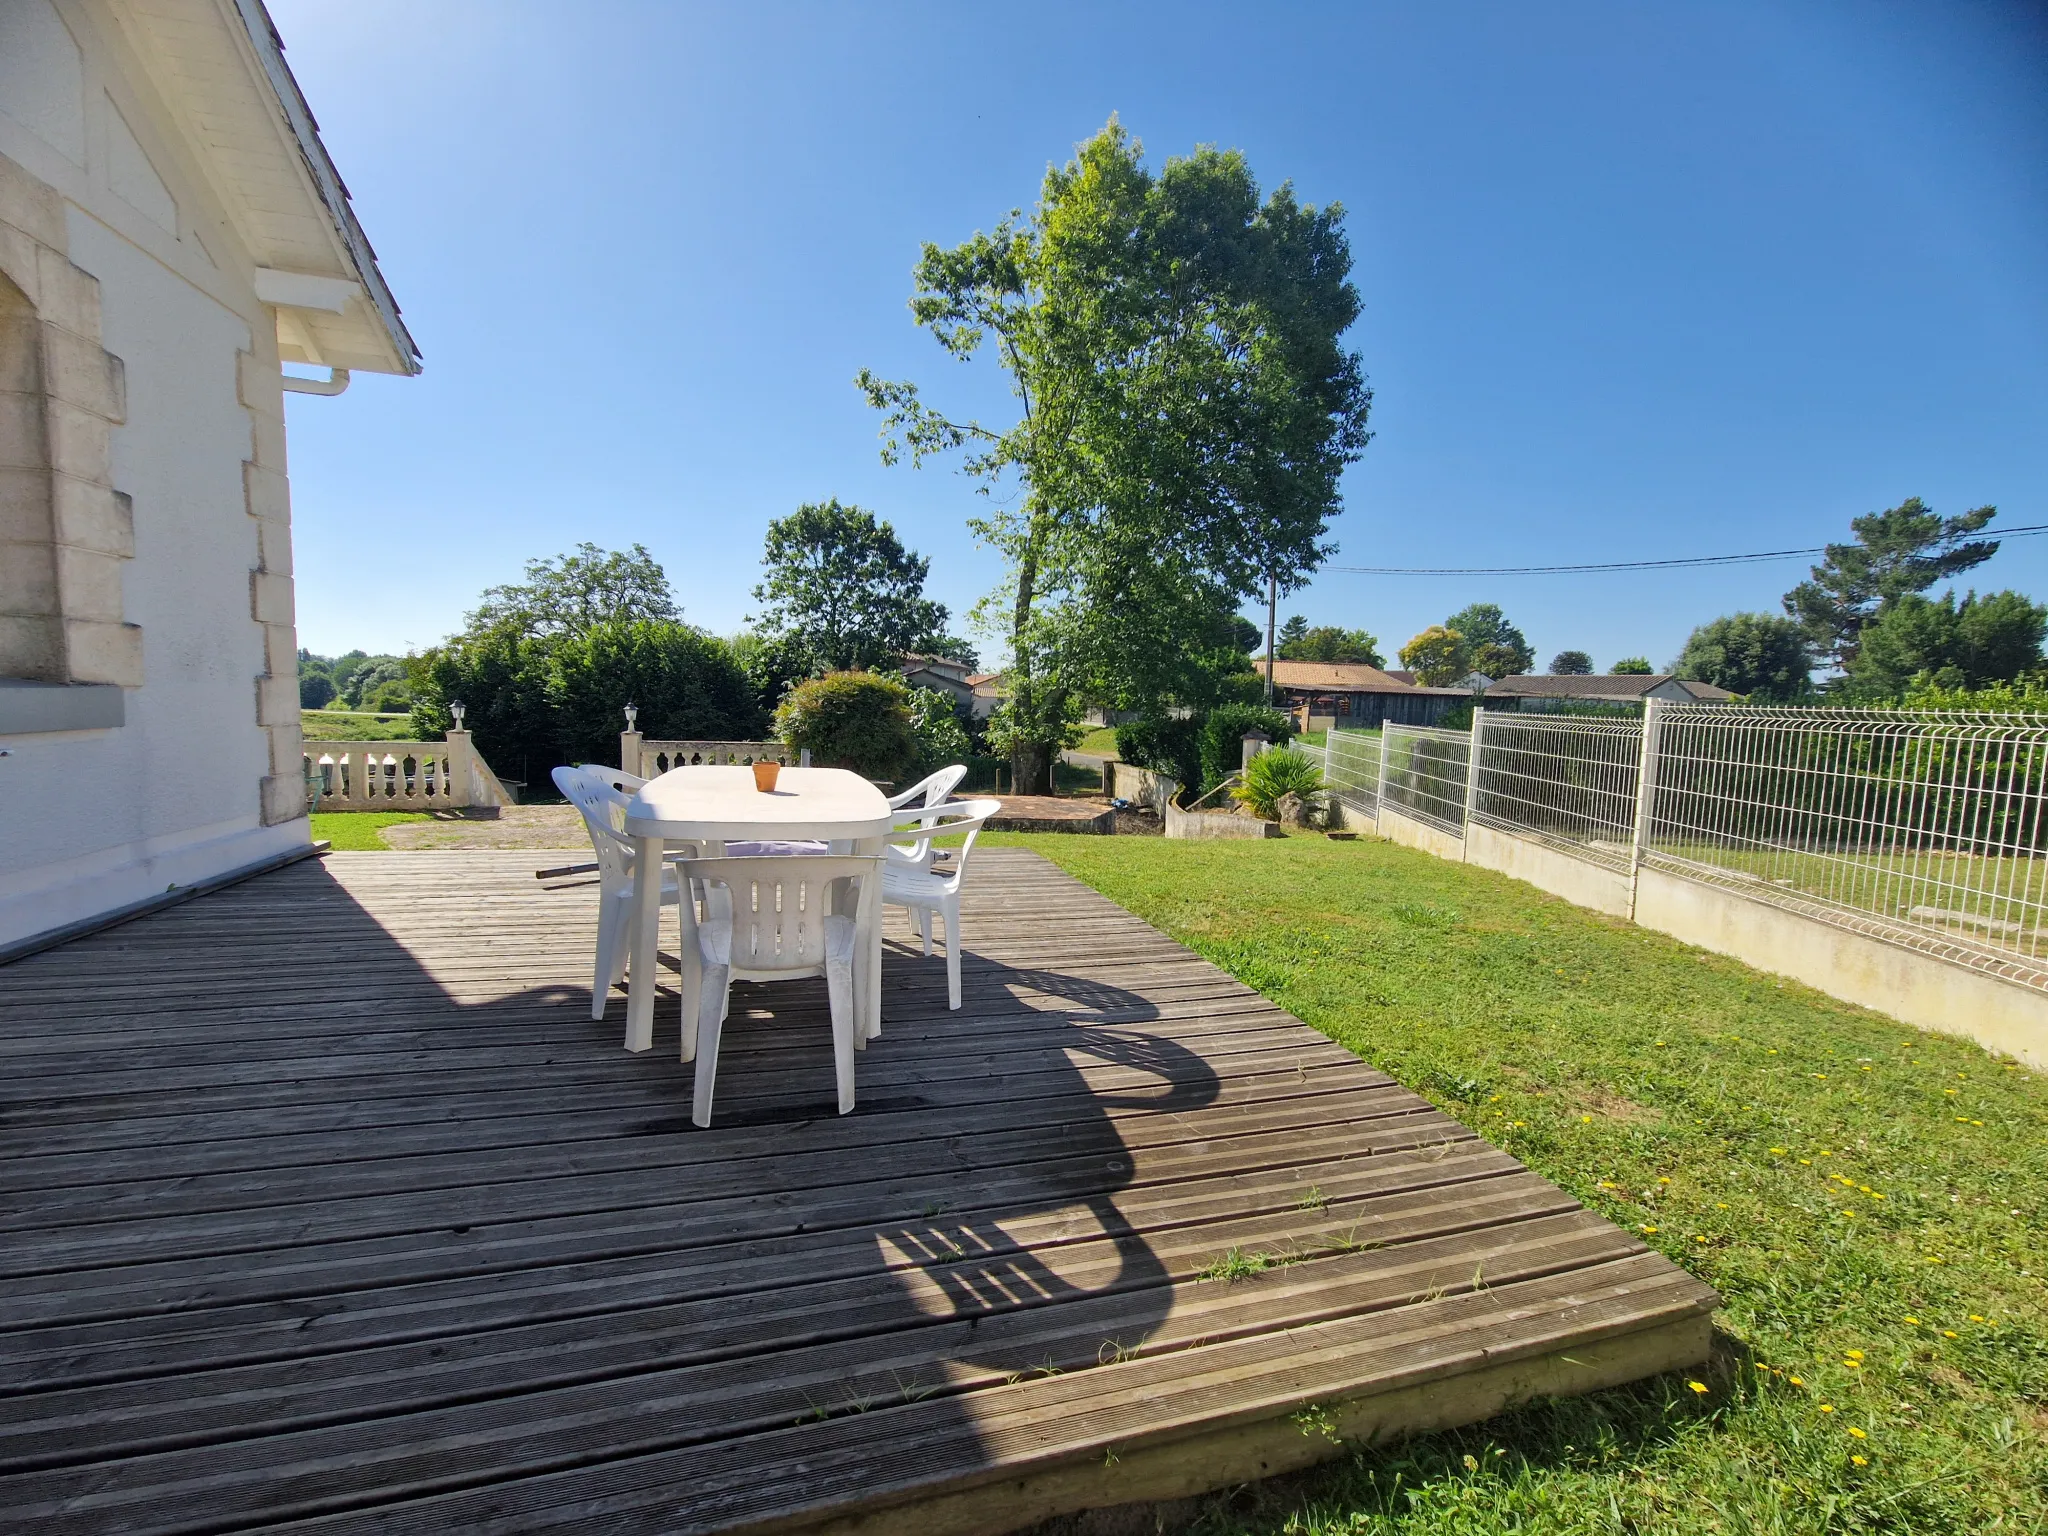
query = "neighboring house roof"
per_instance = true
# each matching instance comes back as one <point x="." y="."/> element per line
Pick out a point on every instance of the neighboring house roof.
<point x="944" y="664"/>
<point x="219" y="67"/>
<point x="1337" y="677"/>
<point x="1615" y="685"/>
<point x="981" y="679"/>
<point x="1401" y="676"/>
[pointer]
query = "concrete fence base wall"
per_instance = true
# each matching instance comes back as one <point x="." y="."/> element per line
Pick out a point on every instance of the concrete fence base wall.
<point x="1579" y="881"/>
<point x="1410" y="833"/>
<point x="1921" y="989"/>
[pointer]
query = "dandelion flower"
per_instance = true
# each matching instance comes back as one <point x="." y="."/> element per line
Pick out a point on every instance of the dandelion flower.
<point x="1585" y="1119"/>
<point x="1795" y="1381"/>
<point x="1697" y="1386"/>
<point x="1913" y="1321"/>
<point x="1853" y="1354"/>
<point x="1777" y="1151"/>
<point x="1857" y="1433"/>
<point x="1861" y="1461"/>
<point x="1652" y="1229"/>
<point x="1948" y="1333"/>
<point x="1663" y="1181"/>
<point x="1975" y="1318"/>
<point x="1827" y="1407"/>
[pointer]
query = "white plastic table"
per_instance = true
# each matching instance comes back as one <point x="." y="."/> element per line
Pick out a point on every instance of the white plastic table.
<point x="712" y="806"/>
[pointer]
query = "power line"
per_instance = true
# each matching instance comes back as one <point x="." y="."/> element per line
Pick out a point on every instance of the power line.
<point x="1623" y="565"/>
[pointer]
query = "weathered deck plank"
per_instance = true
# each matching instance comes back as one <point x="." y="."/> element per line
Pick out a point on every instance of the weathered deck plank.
<point x="324" y="1201"/>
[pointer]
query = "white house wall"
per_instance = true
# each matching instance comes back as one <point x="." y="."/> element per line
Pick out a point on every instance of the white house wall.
<point x="202" y="776"/>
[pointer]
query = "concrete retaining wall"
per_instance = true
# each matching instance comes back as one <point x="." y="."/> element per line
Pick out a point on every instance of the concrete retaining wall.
<point x="1410" y="833"/>
<point x="1550" y="869"/>
<point x="1215" y="824"/>
<point x="1921" y="989"/>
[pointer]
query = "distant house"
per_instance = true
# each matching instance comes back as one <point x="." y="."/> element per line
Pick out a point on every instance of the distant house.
<point x="1353" y="696"/>
<point x="981" y="692"/>
<point x="171" y="231"/>
<point x="1538" y="691"/>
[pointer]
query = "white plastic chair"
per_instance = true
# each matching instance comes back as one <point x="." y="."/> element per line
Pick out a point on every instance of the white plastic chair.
<point x="779" y="921"/>
<point x="929" y="894"/>
<point x="929" y="791"/>
<point x="603" y="806"/>
<point x="932" y="789"/>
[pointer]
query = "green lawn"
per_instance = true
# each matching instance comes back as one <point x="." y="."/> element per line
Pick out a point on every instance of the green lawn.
<point x="1868" y="1199"/>
<point x="347" y="725"/>
<point x="356" y="831"/>
<point x="1101" y="740"/>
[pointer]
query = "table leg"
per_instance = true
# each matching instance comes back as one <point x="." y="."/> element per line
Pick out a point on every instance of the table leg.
<point x="642" y="962"/>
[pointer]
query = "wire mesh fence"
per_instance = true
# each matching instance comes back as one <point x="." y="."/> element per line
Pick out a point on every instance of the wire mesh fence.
<point x="1351" y="769"/>
<point x="1927" y="827"/>
<point x="1561" y="779"/>
<point x="1425" y="774"/>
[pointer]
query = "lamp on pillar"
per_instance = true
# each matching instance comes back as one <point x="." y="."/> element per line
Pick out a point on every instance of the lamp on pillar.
<point x="629" y="742"/>
<point x="455" y="708"/>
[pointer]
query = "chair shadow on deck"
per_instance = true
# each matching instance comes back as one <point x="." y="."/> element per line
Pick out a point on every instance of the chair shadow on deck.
<point x="672" y="1287"/>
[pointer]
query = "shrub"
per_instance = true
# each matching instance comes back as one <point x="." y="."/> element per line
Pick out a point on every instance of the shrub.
<point x="1222" y="738"/>
<point x="941" y="739"/>
<point x="1166" y="745"/>
<point x="1273" y="775"/>
<point x="859" y="720"/>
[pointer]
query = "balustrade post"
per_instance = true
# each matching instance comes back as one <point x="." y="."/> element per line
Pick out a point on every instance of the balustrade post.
<point x="457" y="776"/>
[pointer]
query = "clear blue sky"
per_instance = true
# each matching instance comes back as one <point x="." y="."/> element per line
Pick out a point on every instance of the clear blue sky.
<point x="1639" y="280"/>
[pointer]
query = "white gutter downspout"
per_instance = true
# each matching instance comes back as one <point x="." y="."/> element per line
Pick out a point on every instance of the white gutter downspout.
<point x="335" y="382"/>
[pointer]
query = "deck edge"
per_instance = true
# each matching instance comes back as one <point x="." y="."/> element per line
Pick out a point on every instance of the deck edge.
<point x="1246" y="1453"/>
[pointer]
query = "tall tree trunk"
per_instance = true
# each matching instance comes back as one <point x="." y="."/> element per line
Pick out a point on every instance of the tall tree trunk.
<point x="1030" y="760"/>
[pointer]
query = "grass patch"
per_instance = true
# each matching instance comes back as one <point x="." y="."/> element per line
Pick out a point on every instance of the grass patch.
<point x="1101" y="740"/>
<point x="1868" y="1199"/>
<point x="347" y="725"/>
<point x="361" y="831"/>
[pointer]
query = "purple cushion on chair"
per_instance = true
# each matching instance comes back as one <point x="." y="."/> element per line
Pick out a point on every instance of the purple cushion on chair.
<point x="770" y="850"/>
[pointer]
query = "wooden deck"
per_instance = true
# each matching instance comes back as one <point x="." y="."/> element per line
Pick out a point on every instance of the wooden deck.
<point x="328" y="1208"/>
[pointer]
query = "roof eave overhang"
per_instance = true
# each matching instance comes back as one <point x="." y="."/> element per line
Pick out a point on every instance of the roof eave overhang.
<point x="326" y="181"/>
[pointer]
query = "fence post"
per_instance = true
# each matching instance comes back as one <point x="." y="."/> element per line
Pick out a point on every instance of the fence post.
<point x="1646" y="787"/>
<point x="1472" y="769"/>
<point x="1379" y="799"/>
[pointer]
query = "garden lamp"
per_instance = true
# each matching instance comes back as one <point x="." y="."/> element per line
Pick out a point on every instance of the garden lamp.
<point x="455" y="708"/>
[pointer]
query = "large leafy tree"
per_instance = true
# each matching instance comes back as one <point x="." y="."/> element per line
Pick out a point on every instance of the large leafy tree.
<point x="1438" y="656"/>
<point x="1328" y="642"/>
<point x="1760" y="655"/>
<point x="1185" y="408"/>
<point x="1977" y="643"/>
<point x="841" y="584"/>
<point x="572" y="592"/>
<point x="1498" y="648"/>
<point x="1905" y="549"/>
<point x="1629" y="666"/>
<point x="1572" y="664"/>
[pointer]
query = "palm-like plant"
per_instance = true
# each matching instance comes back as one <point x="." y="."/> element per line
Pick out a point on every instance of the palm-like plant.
<point x="1275" y="774"/>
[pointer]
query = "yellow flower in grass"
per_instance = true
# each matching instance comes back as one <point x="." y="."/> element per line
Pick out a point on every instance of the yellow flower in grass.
<point x="1827" y="1407"/>
<point x="1795" y="1381"/>
<point x="1853" y="1354"/>
<point x="1697" y="1386"/>
<point x="1861" y="1461"/>
<point x="1948" y="1333"/>
<point x="1857" y="1433"/>
<point x="1913" y="1322"/>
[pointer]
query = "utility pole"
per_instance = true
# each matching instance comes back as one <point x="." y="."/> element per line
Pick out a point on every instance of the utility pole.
<point x="1272" y="606"/>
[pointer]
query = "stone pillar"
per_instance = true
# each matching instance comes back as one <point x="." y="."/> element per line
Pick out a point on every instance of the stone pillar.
<point x="461" y="771"/>
<point x="629" y="753"/>
<point x="1254" y="743"/>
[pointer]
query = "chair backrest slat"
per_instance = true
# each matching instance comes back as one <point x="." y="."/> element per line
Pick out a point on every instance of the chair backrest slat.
<point x="603" y="808"/>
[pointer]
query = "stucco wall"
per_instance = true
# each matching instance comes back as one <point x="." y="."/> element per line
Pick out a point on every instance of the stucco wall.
<point x="93" y="820"/>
